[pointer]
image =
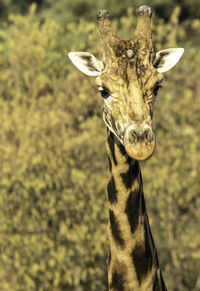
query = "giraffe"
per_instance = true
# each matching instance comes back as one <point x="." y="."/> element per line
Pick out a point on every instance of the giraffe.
<point x="128" y="79"/>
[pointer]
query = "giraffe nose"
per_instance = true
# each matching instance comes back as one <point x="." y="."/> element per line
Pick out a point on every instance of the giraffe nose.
<point x="139" y="141"/>
<point x="135" y="136"/>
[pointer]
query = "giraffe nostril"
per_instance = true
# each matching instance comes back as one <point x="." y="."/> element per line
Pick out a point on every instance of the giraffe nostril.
<point x="135" y="137"/>
<point x="145" y="135"/>
<point x="132" y="137"/>
<point x="148" y="136"/>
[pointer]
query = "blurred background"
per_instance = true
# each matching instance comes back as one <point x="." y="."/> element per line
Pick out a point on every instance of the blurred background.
<point x="53" y="164"/>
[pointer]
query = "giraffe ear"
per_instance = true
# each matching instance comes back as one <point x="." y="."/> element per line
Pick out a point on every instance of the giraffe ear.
<point x="166" y="59"/>
<point x="86" y="63"/>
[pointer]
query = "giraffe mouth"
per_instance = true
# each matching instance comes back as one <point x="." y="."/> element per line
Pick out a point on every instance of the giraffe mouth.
<point x="139" y="142"/>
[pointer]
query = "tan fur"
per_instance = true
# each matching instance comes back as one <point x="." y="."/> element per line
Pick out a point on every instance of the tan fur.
<point x="121" y="255"/>
<point x="127" y="80"/>
<point x="130" y="78"/>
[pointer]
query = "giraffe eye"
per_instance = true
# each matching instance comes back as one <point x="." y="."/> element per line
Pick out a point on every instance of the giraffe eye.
<point x="156" y="88"/>
<point x="104" y="92"/>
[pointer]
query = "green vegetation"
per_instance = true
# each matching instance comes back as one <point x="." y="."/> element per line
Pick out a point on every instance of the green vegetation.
<point x="53" y="178"/>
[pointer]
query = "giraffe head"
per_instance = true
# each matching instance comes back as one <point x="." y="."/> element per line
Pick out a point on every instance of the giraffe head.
<point x="128" y="79"/>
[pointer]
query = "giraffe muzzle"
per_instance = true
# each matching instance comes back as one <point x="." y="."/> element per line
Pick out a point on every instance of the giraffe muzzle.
<point x="139" y="142"/>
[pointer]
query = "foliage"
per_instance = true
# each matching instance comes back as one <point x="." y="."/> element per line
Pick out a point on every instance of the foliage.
<point x="53" y="163"/>
<point x="53" y="228"/>
<point x="65" y="10"/>
<point x="15" y="6"/>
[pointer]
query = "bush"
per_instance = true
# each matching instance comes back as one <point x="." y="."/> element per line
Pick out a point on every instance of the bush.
<point x="52" y="209"/>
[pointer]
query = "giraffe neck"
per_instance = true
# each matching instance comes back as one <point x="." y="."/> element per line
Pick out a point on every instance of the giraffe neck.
<point x="133" y="262"/>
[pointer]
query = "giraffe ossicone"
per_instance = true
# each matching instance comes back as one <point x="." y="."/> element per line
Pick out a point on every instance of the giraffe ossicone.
<point x="128" y="79"/>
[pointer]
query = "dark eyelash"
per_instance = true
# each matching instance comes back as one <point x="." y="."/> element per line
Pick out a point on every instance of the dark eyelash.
<point x="104" y="92"/>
